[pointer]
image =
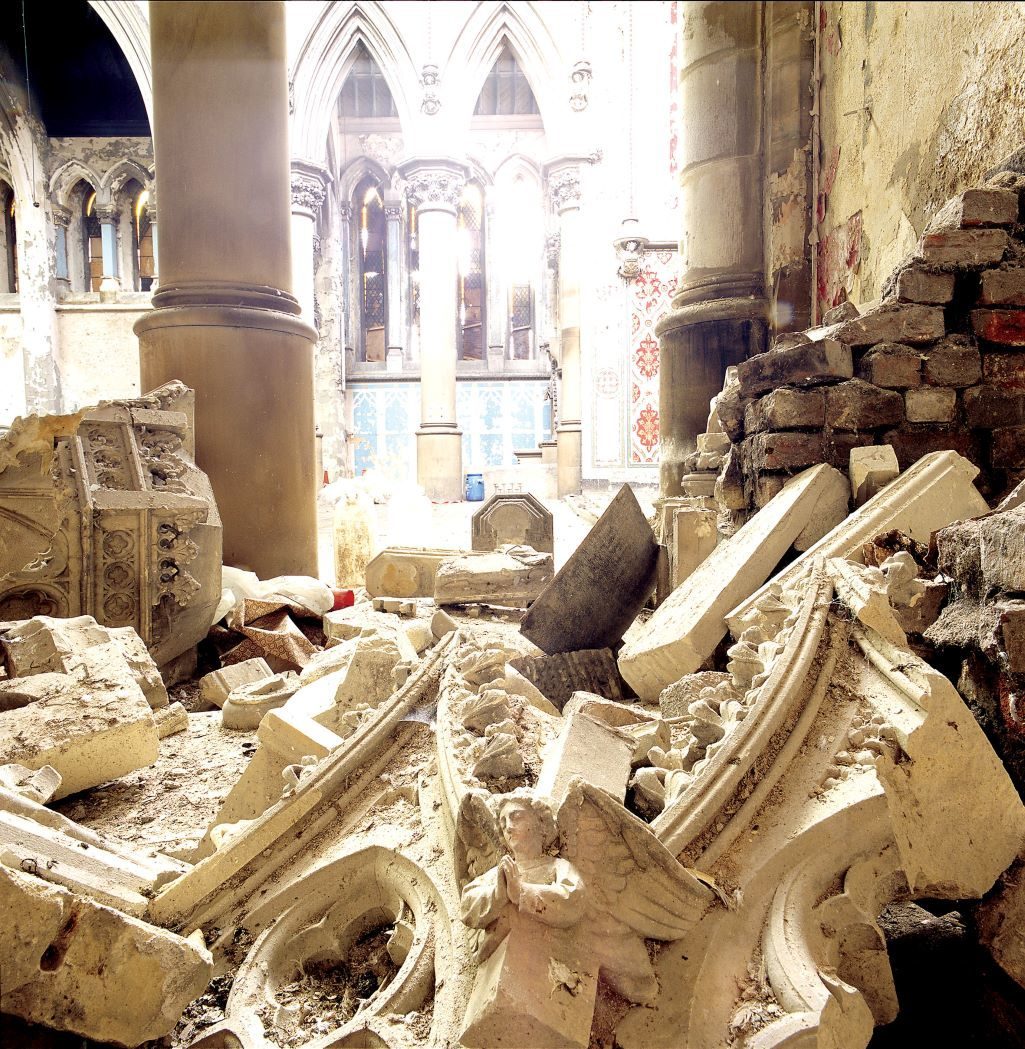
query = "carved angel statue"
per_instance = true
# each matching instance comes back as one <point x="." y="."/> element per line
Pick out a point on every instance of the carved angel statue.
<point x="593" y="870"/>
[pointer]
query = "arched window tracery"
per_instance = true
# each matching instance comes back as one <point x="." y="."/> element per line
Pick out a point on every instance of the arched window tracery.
<point x="10" y="235"/>
<point x="372" y="261"/>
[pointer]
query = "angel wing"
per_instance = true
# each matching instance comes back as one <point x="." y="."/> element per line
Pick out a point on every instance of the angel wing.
<point x="630" y="875"/>
<point x="479" y="845"/>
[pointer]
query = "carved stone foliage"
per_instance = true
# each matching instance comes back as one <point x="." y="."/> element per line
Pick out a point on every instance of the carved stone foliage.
<point x="122" y="523"/>
<point x="564" y="188"/>
<point x="434" y="186"/>
<point x="308" y="190"/>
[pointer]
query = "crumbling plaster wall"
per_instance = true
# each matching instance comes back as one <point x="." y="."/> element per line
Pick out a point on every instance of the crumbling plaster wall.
<point x="98" y="352"/>
<point x="12" y="386"/>
<point x="917" y="101"/>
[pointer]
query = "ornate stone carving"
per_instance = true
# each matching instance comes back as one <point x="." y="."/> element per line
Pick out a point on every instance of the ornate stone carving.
<point x="308" y="190"/>
<point x="580" y="80"/>
<point x="436" y="187"/>
<point x="564" y="188"/>
<point x="429" y="80"/>
<point x="553" y="245"/>
<point x="122" y="526"/>
<point x="382" y="148"/>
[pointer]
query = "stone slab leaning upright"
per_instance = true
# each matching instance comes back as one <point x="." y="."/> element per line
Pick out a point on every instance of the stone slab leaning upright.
<point x="597" y="593"/>
<point x="224" y="318"/>
<point x="105" y="513"/>
<point x="517" y="518"/>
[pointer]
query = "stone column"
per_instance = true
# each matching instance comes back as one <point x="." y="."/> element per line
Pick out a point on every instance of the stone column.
<point x="393" y="333"/>
<point x="434" y="187"/>
<point x="719" y="312"/>
<point x="309" y="187"/>
<point x="151" y="211"/>
<point x="497" y="304"/>
<point x="110" y="284"/>
<point x="37" y="300"/>
<point x="225" y="319"/>
<point x="61" y="221"/>
<point x="564" y="188"/>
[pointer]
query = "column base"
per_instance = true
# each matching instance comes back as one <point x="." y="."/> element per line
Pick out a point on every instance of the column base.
<point x="252" y="371"/>
<point x="568" y="458"/>
<point x="439" y="464"/>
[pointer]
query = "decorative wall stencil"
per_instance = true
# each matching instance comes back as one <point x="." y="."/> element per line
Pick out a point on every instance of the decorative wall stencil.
<point x="385" y="418"/>
<point x="498" y="419"/>
<point x="651" y="295"/>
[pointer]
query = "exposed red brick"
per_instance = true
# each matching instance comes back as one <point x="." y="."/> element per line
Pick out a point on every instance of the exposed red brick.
<point x="857" y="405"/>
<point x="1006" y="370"/>
<point x="806" y="364"/>
<point x="964" y="248"/>
<point x="891" y="365"/>
<point x="918" y="285"/>
<point x="1006" y="327"/>
<point x="954" y="361"/>
<point x="895" y="322"/>
<point x="911" y="444"/>
<point x="1008" y="449"/>
<point x="1003" y="287"/>
<point x="987" y="407"/>
<point x="784" y="451"/>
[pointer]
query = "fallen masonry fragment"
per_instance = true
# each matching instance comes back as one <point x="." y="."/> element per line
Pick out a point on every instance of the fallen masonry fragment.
<point x="517" y="518"/>
<point x="511" y="575"/>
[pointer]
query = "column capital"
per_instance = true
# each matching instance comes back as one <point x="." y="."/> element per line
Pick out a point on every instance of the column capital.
<point x="392" y="204"/>
<point x="106" y="215"/>
<point x="61" y="216"/>
<point x="309" y="182"/>
<point x="435" y="184"/>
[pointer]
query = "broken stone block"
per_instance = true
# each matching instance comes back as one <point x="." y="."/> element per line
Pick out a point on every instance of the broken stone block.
<point x="43" y="644"/>
<point x="74" y="965"/>
<point x="600" y="589"/>
<point x="954" y="361"/>
<point x="1006" y="327"/>
<point x="982" y="206"/>
<point x="864" y="591"/>
<point x="844" y="312"/>
<point x="892" y="366"/>
<point x="124" y="526"/>
<point x="685" y="630"/>
<point x="988" y="407"/>
<point x="694" y="538"/>
<point x="92" y="725"/>
<point x="171" y="720"/>
<point x="788" y="450"/>
<point x="930" y="404"/>
<point x="38" y="785"/>
<point x="830" y="509"/>
<point x="858" y="405"/>
<point x="1003" y="287"/>
<point x="592" y="749"/>
<point x="442" y="623"/>
<point x="918" y="285"/>
<point x="963" y="249"/>
<point x="917" y="616"/>
<point x="515" y="518"/>
<point x="558" y="676"/>
<point x="246" y="704"/>
<point x="354" y="528"/>
<point x="786" y="409"/>
<point x="406" y="571"/>
<point x="1000" y="920"/>
<point x="986" y="554"/>
<point x="897" y="322"/>
<point x="871" y="469"/>
<point x="217" y="685"/>
<point x="512" y="575"/>
<point x="806" y="364"/>
<point x="930" y="494"/>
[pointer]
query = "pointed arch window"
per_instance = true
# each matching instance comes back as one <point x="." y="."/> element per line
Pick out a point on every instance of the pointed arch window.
<point x="371" y="253"/>
<point x="10" y="233"/>
<point x="506" y="91"/>
<point x="365" y="93"/>
<point x="92" y="241"/>
<point x="470" y="246"/>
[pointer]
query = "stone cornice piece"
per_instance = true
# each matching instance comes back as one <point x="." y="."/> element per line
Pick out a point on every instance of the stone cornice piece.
<point x="934" y="492"/>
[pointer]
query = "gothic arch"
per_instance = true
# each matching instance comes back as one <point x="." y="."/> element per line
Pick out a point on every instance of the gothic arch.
<point x="129" y="26"/>
<point x="114" y="180"/>
<point x="324" y="62"/>
<point x="355" y="172"/>
<point x="67" y="176"/>
<point x="488" y="29"/>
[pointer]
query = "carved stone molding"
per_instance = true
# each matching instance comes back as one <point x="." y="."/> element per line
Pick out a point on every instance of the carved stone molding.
<point x="580" y="79"/>
<point x="309" y="186"/>
<point x="61" y="216"/>
<point x="106" y="215"/>
<point x="429" y="80"/>
<point x="434" y="186"/>
<point x="564" y="188"/>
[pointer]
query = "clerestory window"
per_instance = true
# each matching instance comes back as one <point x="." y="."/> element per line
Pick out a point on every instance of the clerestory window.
<point x="365" y="93"/>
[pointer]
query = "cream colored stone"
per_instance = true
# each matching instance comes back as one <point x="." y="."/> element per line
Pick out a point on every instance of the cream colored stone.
<point x="512" y="575"/>
<point x="934" y="492"/>
<point x="864" y="591"/>
<point x="216" y="686"/>
<point x="61" y="948"/>
<point x="246" y="704"/>
<point x="171" y="720"/>
<point x="693" y="538"/>
<point x="591" y="748"/>
<point x="871" y="469"/>
<point x="92" y="726"/>
<point x="685" y="629"/>
<point x="43" y="644"/>
<point x="406" y="571"/>
<point x="36" y="784"/>
<point x="1001" y="924"/>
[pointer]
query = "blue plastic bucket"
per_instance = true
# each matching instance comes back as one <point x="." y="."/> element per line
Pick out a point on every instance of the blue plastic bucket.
<point x="475" y="488"/>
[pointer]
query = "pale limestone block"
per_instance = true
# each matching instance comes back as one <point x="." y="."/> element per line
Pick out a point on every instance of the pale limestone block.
<point x="354" y="528"/>
<point x="518" y="518"/>
<point x="400" y="571"/>
<point x="932" y="493"/>
<point x="686" y="628"/>
<point x="347" y="623"/>
<point x="512" y="577"/>
<point x="419" y="635"/>
<point x="44" y="644"/>
<point x="870" y="470"/>
<point x="593" y="749"/>
<point x="930" y="404"/>
<point x="171" y="720"/>
<point x="388" y="639"/>
<point x="864" y="592"/>
<point x="246" y="704"/>
<point x="830" y="509"/>
<point x="36" y="784"/>
<point x="442" y="623"/>
<point x="215" y="686"/>
<point x="693" y="537"/>
<point x="91" y="727"/>
<point x="60" y="948"/>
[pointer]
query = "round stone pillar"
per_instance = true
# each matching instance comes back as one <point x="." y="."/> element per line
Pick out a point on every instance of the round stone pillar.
<point x="434" y="187"/>
<point x="564" y="189"/>
<point x="309" y="188"/>
<point x="719" y="312"/>
<point x="224" y="319"/>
